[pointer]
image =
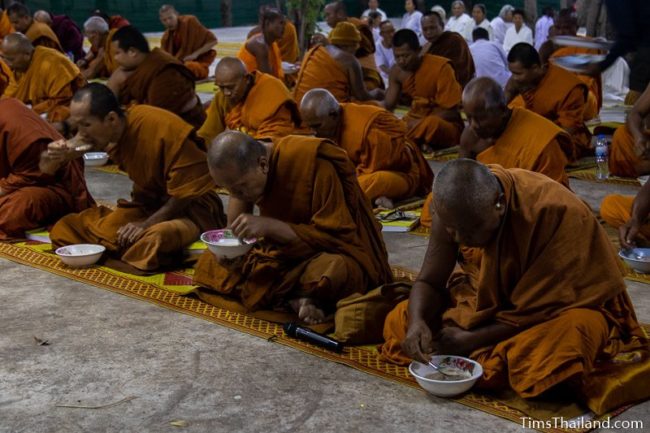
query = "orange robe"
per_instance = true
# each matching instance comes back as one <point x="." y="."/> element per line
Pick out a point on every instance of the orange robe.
<point x="30" y="197"/>
<point x="387" y="164"/>
<point x="276" y="117"/>
<point x="163" y="81"/>
<point x="452" y="46"/>
<point x="6" y="76"/>
<point x="339" y="251"/>
<point x="616" y="210"/>
<point x="320" y="70"/>
<point x="275" y="58"/>
<point x="189" y="36"/>
<point x="42" y="35"/>
<point x="5" y="25"/>
<point x="162" y="156"/>
<point x="623" y="158"/>
<point x="366" y="55"/>
<point x="289" y="46"/>
<point x="561" y="97"/>
<point x="107" y="60"/>
<point x="574" y="317"/>
<point x="48" y="84"/>
<point x="433" y="86"/>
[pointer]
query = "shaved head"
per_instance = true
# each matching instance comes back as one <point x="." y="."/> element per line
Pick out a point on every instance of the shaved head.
<point x="43" y="17"/>
<point x="230" y="67"/>
<point x="321" y="111"/>
<point x="96" y="24"/>
<point x="17" y="43"/>
<point x="486" y="93"/>
<point x="233" y="80"/>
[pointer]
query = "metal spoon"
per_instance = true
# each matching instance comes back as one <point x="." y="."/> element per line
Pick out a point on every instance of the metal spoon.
<point x="438" y="369"/>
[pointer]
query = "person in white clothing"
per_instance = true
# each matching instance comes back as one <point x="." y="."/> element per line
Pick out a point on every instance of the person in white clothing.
<point x="374" y="21"/>
<point x="489" y="58"/>
<point x="373" y="6"/>
<point x="384" y="56"/>
<point x="480" y="18"/>
<point x="544" y="23"/>
<point x="459" y="21"/>
<point x="412" y="17"/>
<point x="502" y="23"/>
<point x="517" y="33"/>
<point x="440" y="11"/>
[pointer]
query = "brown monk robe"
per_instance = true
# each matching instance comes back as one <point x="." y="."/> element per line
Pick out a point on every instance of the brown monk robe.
<point x="388" y="166"/>
<point x="534" y="312"/>
<point x="188" y="40"/>
<point x="335" y="68"/>
<point x="450" y="45"/>
<point x="44" y="78"/>
<point x="153" y="77"/>
<point x="40" y="34"/>
<point x="100" y="60"/>
<point x="551" y="92"/>
<point x="6" y="76"/>
<point x="511" y="138"/>
<point x="254" y="103"/>
<point x="428" y="81"/>
<point x="319" y="238"/>
<point x="173" y="198"/>
<point x="5" y="25"/>
<point x="261" y="51"/>
<point x="29" y="196"/>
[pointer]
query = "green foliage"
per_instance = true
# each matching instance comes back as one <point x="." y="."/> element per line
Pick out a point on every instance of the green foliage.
<point x="306" y="14"/>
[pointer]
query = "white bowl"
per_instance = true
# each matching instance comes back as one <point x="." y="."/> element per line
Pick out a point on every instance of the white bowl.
<point x="223" y="244"/>
<point x="633" y="260"/>
<point x="95" y="159"/>
<point x="80" y="255"/>
<point x="446" y="388"/>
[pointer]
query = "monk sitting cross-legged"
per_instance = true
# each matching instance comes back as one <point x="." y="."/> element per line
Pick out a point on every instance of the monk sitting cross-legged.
<point x="536" y="312"/>
<point x="100" y="60"/>
<point x="31" y="194"/>
<point x="261" y="51"/>
<point x="173" y="198"/>
<point x="512" y="138"/>
<point x="188" y="40"/>
<point x="318" y="240"/>
<point x="39" y="34"/>
<point x="255" y="103"/>
<point x="429" y="83"/>
<point x="44" y="78"/>
<point x="388" y="166"/>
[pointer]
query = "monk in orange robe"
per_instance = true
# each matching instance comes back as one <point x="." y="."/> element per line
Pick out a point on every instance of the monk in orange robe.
<point x="153" y="77"/>
<point x="5" y="25"/>
<point x="261" y="51"/>
<point x="100" y="60"/>
<point x="288" y="44"/>
<point x="188" y="40"/>
<point x="629" y="215"/>
<point x="450" y="45"/>
<point x="236" y="104"/>
<point x="40" y="34"/>
<point x="429" y="83"/>
<point x="32" y="195"/>
<point x="512" y="138"/>
<point x="549" y="91"/>
<point x="173" y="198"/>
<point x="44" y="78"/>
<point x="6" y="76"/>
<point x="534" y="311"/>
<point x="335" y="68"/>
<point x="319" y="238"/>
<point x="388" y="166"/>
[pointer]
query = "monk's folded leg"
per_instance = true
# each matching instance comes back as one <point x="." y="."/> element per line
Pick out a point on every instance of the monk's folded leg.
<point x="616" y="210"/>
<point x="161" y="244"/>
<point x="200" y="70"/>
<point x="391" y="184"/>
<point x="328" y="278"/>
<point x="434" y="132"/>
<point x="623" y="159"/>
<point x="29" y="208"/>
<point x="395" y="328"/>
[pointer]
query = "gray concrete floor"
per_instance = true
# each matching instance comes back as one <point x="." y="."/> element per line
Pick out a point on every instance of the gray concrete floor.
<point x="105" y="347"/>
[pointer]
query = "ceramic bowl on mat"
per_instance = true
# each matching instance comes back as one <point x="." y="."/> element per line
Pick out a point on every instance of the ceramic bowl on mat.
<point x="637" y="258"/>
<point x="95" y="159"/>
<point x="80" y="255"/>
<point x="462" y="375"/>
<point x="224" y="244"/>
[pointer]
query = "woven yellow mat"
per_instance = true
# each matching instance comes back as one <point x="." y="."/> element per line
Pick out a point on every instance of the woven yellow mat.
<point x="443" y="155"/>
<point x="160" y="291"/>
<point x="110" y="168"/>
<point x="590" y="174"/>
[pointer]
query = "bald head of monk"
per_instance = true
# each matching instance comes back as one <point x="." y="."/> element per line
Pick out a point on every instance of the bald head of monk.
<point x="97" y="115"/>
<point x="240" y="164"/>
<point x="335" y="13"/>
<point x="272" y="23"/>
<point x="485" y="105"/>
<point x="432" y="26"/>
<point x="526" y="66"/>
<point x="130" y="47"/>
<point x="17" y="51"/>
<point x="20" y="17"/>
<point x="233" y="80"/>
<point x="96" y="30"/>
<point x="168" y="17"/>
<point x="43" y="17"/>
<point x="566" y="23"/>
<point x="469" y="202"/>
<point x="320" y="110"/>
<point x="406" y="48"/>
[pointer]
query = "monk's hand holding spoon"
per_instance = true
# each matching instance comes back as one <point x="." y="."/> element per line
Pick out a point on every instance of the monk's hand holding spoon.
<point x="253" y="226"/>
<point x="418" y="343"/>
<point x="628" y="232"/>
<point x="128" y="234"/>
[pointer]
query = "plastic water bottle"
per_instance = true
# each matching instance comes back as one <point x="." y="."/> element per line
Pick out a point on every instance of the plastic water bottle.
<point x="602" y="158"/>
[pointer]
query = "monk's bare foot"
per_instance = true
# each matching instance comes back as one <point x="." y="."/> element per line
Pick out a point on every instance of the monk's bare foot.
<point x="384" y="202"/>
<point x="307" y="310"/>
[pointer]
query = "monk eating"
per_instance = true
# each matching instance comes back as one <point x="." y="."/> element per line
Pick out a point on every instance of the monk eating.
<point x="551" y="92"/>
<point x="335" y="68"/>
<point x="261" y="51"/>
<point x="100" y="60"/>
<point x="630" y="216"/>
<point x="429" y="84"/>
<point x="450" y="45"/>
<point x="34" y="192"/>
<point x="535" y="311"/>
<point x="188" y="40"/>
<point x="236" y="104"/>
<point x="173" y="198"/>
<point x="40" y="34"/>
<point x="510" y="137"/>
<point x="153" y="77"/>
<point x="388" y="166"/>
<point x="44" y="78"/>
<point x="318" y="238"/>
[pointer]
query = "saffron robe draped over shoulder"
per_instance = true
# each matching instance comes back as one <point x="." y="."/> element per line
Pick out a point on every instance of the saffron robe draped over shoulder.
<point x="5" y="25"/>
<point x="276" y="116"/>
<point x="163" y="157"/>
<point x="42" y="35"/>
<point x="623" y="156"/>
<point x="452" y="46"/>
<point x="535" y="276"/>
<point x="48" y="84"/>
<point x="289" y="46"/>
<point x="366" y="55"/>
<point x="6" y="76"/>
<point x="340" y="250"/>
<point x="320" y="70"/>
<point x="189" y="36"/>
<point x="274" y="56"/>
<point x="31" y="198"/>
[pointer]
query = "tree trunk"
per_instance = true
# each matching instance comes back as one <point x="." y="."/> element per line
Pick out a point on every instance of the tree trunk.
<point x="226" y="13"/>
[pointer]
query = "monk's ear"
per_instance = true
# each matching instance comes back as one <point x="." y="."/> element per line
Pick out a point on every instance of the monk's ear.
<point x="500" y="204"/>
<point x="263" y="164"/>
